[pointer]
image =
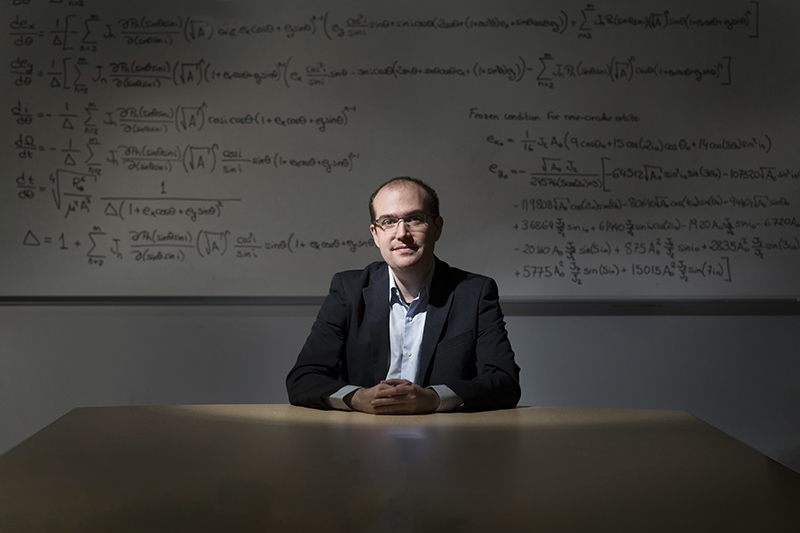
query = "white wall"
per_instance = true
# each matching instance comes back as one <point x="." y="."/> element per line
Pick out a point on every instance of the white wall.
<point x="738" y="373"/>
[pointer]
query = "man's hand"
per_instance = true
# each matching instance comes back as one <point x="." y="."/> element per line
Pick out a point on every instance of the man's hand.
<point x="395" y="397"/>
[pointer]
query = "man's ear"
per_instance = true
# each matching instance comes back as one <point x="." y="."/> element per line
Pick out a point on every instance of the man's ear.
<point x="439" y="224"/>
<point x="374" y="231"/>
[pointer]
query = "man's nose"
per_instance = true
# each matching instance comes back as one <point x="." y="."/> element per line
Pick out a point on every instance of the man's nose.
<point x="402" y="230"/>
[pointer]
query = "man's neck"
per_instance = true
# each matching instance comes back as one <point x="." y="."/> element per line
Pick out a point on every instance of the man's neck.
<point x="410" y="283"/>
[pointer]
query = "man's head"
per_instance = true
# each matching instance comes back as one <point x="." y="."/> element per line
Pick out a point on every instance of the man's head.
<point x="406" y="224"/>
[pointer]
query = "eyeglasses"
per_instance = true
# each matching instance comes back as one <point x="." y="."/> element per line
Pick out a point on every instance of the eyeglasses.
<point x="414" y="221"/>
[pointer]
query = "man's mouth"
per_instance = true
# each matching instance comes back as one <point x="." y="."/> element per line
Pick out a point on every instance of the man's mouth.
<point x="403" y="249"/>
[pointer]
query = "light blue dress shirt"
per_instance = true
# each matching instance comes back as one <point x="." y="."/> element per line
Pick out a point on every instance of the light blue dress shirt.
<point x="406" y="325"/>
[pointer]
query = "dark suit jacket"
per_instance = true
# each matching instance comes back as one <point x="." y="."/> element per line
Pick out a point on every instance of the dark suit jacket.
<point x="464" y="344"/>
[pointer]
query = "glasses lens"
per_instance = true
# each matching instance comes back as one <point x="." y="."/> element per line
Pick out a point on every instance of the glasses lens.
<point x="415" y="221"/>
<point x="387" y="223"/>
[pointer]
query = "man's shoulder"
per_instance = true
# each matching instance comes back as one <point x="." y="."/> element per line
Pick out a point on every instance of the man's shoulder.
<point x="363" y="276"/>
<point x="451" y="282"/>
<point x="457" y="276"/>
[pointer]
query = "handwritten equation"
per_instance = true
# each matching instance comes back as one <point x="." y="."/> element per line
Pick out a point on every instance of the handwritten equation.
<point x="81" y="75"/>
<point x="85" y="33"/>
<point x="99" y="247"/>
<point x="180" y="118"/>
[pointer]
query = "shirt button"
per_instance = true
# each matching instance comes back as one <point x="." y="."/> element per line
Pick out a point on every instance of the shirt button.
<point x="409" y="354"/>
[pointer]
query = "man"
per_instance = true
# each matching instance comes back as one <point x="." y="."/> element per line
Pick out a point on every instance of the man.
<point x="408" y="334"/>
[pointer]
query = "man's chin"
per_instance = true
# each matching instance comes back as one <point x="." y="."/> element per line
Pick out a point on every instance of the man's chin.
<point x="408" y="261"/>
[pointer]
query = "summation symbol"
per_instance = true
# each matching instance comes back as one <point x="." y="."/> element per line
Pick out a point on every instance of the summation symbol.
<point x="95" y="255"/>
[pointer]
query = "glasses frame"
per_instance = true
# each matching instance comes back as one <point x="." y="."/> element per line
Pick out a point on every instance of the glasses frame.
<point x="416" y="213"/>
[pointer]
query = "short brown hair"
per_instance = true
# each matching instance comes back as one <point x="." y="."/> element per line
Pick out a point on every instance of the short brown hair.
<point x="431" y="201"/>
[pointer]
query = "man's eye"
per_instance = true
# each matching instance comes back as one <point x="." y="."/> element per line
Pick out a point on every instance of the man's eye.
<point x="415" y="219"/>
<point x="388" y="221"/>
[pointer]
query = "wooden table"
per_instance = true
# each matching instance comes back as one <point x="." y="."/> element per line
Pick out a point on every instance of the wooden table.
<point x="283" y="468"/>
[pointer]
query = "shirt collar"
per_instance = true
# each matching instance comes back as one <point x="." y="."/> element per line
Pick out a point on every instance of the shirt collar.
<point x="426" y="284"/>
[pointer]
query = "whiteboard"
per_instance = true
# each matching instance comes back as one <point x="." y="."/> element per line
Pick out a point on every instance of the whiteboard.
<point x="613" y="150"/>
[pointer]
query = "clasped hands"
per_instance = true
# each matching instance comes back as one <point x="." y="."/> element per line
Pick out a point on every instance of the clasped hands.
<point x="394" y="397"/>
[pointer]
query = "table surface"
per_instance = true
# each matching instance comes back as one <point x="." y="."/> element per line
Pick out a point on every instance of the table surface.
<point x="285" y="468"/>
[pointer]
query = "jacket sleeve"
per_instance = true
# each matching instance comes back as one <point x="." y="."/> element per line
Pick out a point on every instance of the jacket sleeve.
<point x="491" y="380"/>
<point x="317" y="372"/>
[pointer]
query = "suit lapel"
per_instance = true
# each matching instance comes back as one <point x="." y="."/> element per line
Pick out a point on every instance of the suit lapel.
<point x="376" y="309"/>
<point x="439" y="302"/>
